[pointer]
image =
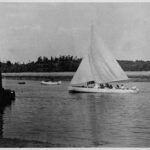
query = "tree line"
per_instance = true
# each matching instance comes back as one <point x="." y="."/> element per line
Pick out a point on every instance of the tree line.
<point x="65" y="64"/>
<point x="43" y="64"/>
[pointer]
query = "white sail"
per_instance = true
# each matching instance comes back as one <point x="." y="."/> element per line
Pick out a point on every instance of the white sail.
<point x="99" y="65"/>
<point x="83" y="73"/>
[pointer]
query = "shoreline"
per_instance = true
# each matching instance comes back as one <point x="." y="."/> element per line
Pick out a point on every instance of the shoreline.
<point x="20" y="143"/>
<point x="67" y="76"/>
<point x="53" y="76"/>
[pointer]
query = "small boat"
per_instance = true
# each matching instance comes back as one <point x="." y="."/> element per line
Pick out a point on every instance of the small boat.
<point x="100" y="67"/>
<point x="50" y="83"/>
<point x="22" y="82"/>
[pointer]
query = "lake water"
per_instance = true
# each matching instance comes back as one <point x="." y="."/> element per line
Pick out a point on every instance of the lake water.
<point x="135" y="73"/>
<point x="51" y="114"/>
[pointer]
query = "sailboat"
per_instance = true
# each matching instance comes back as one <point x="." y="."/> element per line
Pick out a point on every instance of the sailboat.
<point x="98" y="66"/>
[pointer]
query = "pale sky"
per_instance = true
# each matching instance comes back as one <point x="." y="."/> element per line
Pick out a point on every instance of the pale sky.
<point x="30" y="30"/>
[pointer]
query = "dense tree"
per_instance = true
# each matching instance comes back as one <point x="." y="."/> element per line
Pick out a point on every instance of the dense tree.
<point x="66" y="64"/>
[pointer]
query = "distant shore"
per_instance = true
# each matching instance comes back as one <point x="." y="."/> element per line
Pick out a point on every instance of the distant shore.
<point x="53" y="76"/>
<point x="67" y="76"/>
<point x="18" y="143"/>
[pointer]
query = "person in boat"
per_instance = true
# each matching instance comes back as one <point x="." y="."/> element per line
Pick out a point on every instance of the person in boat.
<point x="87" y="84"/>
<point x="107" y="85"/>
<point x="122" y="86"/>
<point x="117" y="86"/>
<point x="110" y="86"/>
<point x="102" y="86"/>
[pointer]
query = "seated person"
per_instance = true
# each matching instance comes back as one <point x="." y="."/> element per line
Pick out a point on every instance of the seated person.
<point x="110" y="86"/>
<point x="117" y="86"/>
<point x="107" y="85"/>
<point x="122" y="86"/>
<point x="102" y="86"/>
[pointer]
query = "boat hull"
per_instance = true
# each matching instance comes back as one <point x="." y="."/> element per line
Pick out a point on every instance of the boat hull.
<point x="51" y="83"/>
<point x="99" y="90"/>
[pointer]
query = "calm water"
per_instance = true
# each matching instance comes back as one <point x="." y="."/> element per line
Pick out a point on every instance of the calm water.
<point x="131" y="73"/>
<point x="51" y="114"/>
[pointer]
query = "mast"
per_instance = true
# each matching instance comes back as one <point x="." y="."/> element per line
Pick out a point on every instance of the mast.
<point x="91" y="37"/>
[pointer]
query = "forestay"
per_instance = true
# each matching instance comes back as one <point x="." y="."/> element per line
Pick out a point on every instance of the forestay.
<point x="99" y="65"/>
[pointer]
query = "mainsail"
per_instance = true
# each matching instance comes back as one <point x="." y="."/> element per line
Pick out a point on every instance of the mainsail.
<point x="99" y="65"/>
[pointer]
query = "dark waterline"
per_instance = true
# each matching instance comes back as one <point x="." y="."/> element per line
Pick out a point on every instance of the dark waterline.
<point x="51" y="114"/>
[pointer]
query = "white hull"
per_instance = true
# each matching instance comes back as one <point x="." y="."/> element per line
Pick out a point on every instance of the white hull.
<point x="99" y="90"/>
<point x="51" y="83"/>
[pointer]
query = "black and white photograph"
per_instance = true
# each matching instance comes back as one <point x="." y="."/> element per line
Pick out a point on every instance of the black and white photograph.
<point x="74" y="74"/>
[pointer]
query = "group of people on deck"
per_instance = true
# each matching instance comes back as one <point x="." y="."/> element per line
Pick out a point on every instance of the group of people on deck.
<point x="106" y="85"/>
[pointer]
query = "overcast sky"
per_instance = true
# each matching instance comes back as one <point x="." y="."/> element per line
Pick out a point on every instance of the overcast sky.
<point x="30" y="30"/>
